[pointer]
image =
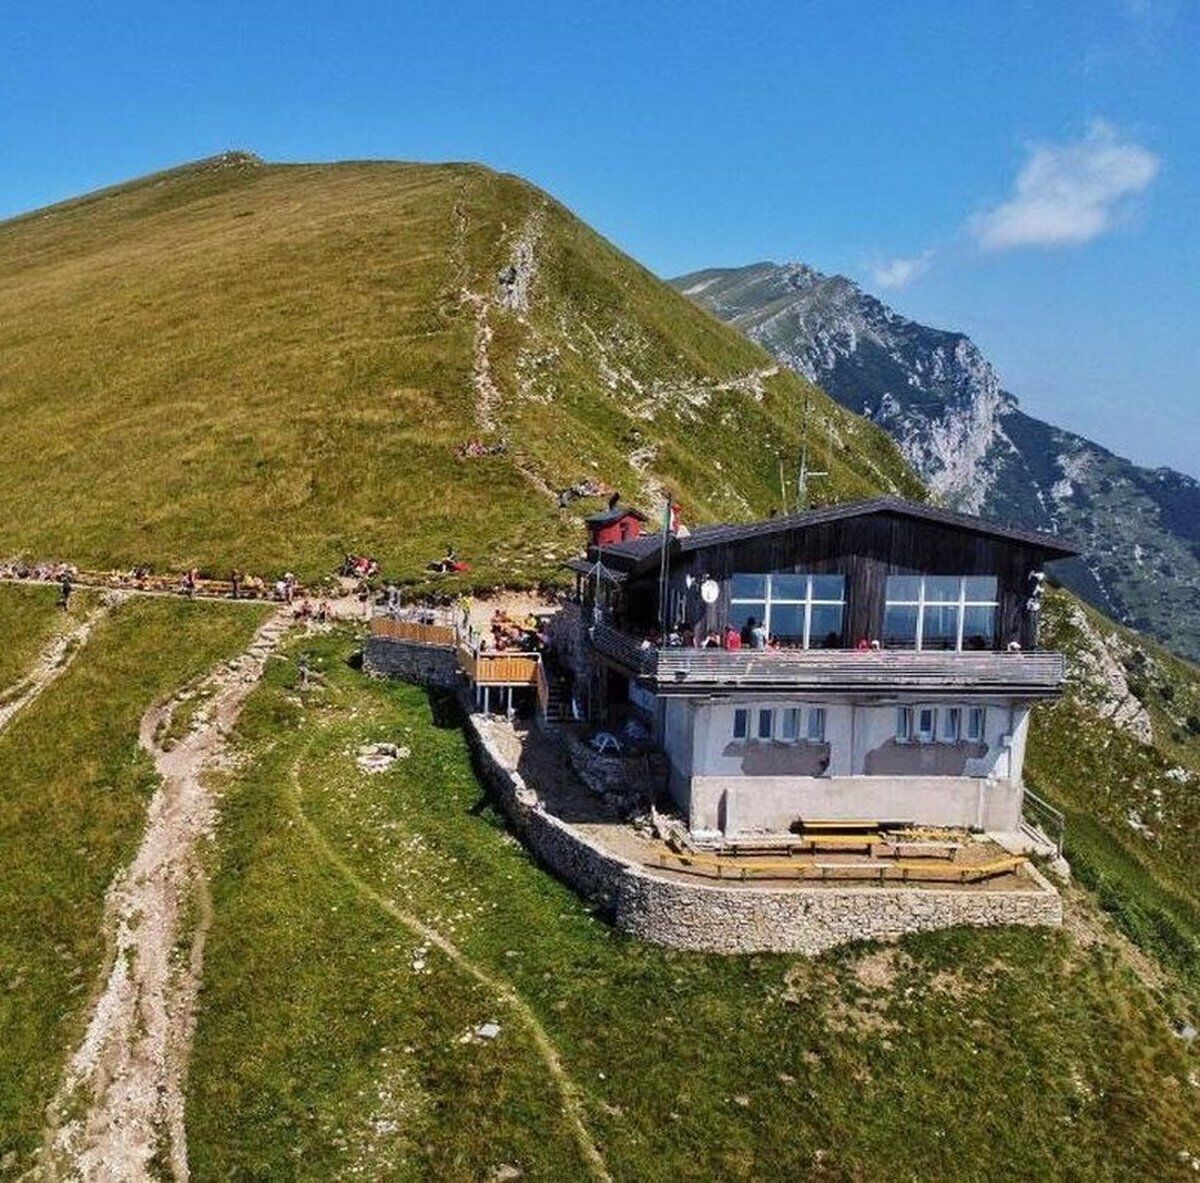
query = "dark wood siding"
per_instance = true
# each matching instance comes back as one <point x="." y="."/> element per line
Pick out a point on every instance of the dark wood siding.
<point x="866" y="550"/>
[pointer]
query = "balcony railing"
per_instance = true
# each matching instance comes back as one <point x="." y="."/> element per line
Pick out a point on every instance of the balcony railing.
<point x="499" y="669"/>
<point x="683" y="671"/>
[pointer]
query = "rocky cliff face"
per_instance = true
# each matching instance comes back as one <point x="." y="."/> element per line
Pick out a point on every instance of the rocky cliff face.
<point x="942" y="401"/>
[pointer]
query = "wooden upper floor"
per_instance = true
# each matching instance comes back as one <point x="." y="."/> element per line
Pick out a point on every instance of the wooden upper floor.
<point x="885" y="573"/>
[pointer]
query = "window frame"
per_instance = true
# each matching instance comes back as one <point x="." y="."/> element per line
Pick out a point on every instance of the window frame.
<point x="960" y="604"/>
<point x="922" y="734"/>
<point x="741" y="715"/>
<point x="976" y="713"/>
<point x="905" y="725"/>
<point x="814" y="714"/>
<point x="951" y="734"/>
<point x="795" y="714"/>
<point x="767" y="713"/>
<point x="808" y="602"/>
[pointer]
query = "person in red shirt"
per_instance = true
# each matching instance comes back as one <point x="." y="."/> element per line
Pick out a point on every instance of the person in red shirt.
<point x="733" y="639"/>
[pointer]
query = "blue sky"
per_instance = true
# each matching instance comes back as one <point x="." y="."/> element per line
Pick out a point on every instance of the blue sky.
<point x="1028" y="173"/>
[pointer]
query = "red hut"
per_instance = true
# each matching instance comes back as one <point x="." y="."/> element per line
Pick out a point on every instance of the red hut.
<point x="621" y="523"/>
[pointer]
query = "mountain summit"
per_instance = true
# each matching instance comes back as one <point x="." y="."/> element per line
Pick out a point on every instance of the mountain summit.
<point x="264" y="366"/>
<point x="941" y="400"/>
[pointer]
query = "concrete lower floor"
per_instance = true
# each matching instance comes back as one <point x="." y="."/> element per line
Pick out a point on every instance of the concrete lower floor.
<point x="765" y="804"/>
<point x="744" y="764"/>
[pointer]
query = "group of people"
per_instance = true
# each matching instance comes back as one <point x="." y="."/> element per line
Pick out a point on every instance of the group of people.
<point x="449" y="563"/>
<point x="752" y="635"/>
<point x="320" y="612"/>
<point x="524" y="636"/>
<point x="360" y="567"/>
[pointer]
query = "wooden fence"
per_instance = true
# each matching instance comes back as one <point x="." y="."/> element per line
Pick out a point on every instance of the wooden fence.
<point x="500" y="669"/>
<point x="412" y="630"/>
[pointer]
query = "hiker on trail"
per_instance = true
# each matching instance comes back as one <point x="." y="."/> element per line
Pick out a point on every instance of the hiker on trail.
<point x="65" y="590"/>
<point x="189" y="583"/>
<point x="289" y="587"/>
<point x="364" y="598"/>
<point x="235" y="582"/>
<point x="302" y="670"/>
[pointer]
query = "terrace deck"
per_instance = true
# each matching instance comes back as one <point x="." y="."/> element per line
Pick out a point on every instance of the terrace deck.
<point x="690" y="671"/>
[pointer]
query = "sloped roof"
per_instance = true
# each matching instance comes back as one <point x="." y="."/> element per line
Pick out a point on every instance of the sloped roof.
<point x="635" y="550"/>
<point x="595" y="570"/>
<point x="608" y="516"/>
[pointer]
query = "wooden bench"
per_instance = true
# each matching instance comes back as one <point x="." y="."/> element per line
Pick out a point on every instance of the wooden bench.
<point x="919" y="871"/>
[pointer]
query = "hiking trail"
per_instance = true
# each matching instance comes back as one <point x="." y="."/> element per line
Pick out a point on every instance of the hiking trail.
<point x="53" y="660"/>
<point x="119" y="1113"/>
<point x="568" y="1089"/>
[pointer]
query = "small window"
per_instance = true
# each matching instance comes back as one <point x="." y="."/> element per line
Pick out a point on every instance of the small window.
<point x="926" y="724"/>
<point x="951" y="725"/>
<point x="789" y="724"/>
<point x="816" y="724"/>
<point x="904" y="724"/>
<point x="976" y="723"/>
<point x="741" y="723"/>
<point x="766" y="723"/>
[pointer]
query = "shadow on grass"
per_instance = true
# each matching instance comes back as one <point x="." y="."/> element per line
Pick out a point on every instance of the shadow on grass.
<point x="445" y="710"/>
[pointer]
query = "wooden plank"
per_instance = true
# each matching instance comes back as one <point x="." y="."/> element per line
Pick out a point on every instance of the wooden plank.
<point x="413" y="631"/>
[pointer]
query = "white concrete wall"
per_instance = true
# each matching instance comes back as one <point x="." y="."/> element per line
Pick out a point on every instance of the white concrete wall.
<point x="714" y="734"/>
<point x="763" y="804"/>
<point x="677" y="740"/>
<point x="763" y="786"/>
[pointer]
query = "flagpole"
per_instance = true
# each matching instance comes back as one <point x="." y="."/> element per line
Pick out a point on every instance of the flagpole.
<point x="662" y="570"/>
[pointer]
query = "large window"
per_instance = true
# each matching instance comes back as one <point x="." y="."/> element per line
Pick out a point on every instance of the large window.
<point x="940" y="612"/>
<point x="803" y="611"/>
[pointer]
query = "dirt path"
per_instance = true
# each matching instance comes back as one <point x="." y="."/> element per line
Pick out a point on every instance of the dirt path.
<point x="119" y="1112"/>
<point x="53" y="660"/>
<point x="568" y="1090"/>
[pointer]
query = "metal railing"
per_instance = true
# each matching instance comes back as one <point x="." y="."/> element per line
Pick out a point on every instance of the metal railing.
<point x="1037" y="671"/>
<point x="1047" y="822"/>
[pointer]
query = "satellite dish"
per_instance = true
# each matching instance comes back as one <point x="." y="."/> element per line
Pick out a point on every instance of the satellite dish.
<point x="710" y="591"/>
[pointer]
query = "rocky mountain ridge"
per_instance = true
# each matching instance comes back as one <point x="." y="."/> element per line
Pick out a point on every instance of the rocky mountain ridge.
<point x="937" y="395"/>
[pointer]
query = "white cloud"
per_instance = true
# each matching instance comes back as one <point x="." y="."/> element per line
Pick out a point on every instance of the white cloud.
<point x="1069" y="193"/>
<point x="900" y="272"/>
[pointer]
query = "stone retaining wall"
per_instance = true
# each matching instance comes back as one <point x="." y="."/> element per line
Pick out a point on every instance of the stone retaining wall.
<point x="716" y="919"/>
<point x="427" y="665"/>
<point x="811" y="920"/>
<point x="585" y="866"/>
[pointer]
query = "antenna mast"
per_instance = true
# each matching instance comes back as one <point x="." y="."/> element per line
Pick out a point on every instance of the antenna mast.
<point x="805" y="473"/>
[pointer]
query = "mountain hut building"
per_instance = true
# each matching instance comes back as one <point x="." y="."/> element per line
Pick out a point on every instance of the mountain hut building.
<point x="875" y="660"/>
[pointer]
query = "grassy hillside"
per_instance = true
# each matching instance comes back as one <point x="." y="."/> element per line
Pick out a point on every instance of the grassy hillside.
<point x="28" y="618"/>
<point x="73" y="793"/>
<point x="1121" y="754"/>
<point x="335" y="1039"/>
<point x="239" y="364"/>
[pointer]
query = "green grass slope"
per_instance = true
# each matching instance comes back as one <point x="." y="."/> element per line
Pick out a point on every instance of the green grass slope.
<point x="330" y="1035"/>
<point x="240" y="364"/>
<point x="73" y="792"/>
<point x="28" y="618"/>
<point x="1120" y="753"/>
